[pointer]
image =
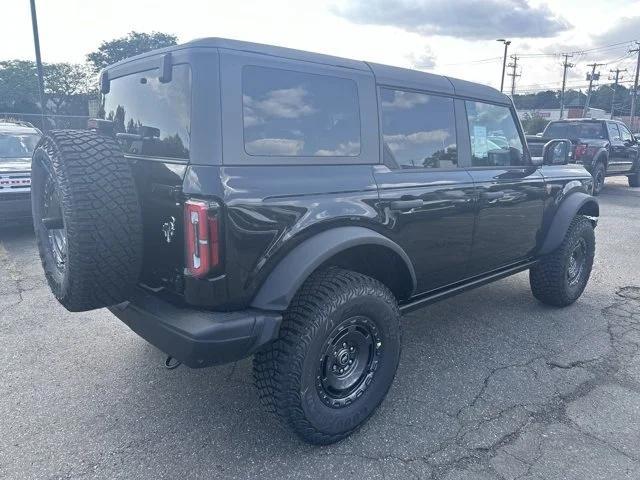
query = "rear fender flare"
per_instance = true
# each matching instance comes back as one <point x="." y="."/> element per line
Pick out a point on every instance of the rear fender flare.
<point x="575" y="204"/>
<point x="287" y="277"/>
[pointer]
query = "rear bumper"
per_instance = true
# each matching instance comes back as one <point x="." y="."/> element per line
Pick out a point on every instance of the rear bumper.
<point x="197" y="338"/>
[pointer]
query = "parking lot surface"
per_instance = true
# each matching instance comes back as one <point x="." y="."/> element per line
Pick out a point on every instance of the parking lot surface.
<point x="491" y="385"/>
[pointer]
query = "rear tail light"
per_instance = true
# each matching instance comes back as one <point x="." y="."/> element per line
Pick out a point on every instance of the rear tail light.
<point x="202" y="237"/>
<point x="581" y="151"/>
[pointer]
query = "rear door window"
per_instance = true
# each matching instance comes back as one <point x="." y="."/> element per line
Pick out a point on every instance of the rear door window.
<point x="614" y="134"/>
<point x="151" y="118"/>
<point x="294" y="114"/>
<point x="418" y="130"/>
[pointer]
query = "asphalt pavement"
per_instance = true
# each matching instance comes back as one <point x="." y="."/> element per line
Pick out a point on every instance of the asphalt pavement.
<point x="491" y="385"/>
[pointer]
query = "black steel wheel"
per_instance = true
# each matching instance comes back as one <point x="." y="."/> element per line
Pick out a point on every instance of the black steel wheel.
<point x="336" y="356"/>
<point x="599" y="174"/>
<point x="348" y="362"/>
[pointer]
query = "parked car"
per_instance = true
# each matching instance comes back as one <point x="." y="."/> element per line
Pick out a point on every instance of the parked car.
<point x="17" y="142"/>
<point x="605" y="147"/>
<point x="241" y="199"/>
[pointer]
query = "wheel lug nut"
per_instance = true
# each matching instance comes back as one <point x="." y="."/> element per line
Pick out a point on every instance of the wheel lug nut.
<point x="334" y="368"/>
<point x="344" y="345"/>
<point x="350" y="362"/>
<point x="351" y="349"/>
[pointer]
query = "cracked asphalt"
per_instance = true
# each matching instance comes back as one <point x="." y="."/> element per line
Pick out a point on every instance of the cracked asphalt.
<point x="491" y="385"/>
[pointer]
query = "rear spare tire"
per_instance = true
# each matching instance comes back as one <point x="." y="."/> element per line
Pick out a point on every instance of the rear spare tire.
<point x="87" y="219"/>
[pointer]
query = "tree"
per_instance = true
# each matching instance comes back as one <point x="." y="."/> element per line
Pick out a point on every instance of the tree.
<point x="19" y="86"/>
<point x="63" y="81"/>
<point x="132" y="44"/>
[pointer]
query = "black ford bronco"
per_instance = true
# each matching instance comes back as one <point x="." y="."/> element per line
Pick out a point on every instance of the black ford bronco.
<point x="239" y="199"/>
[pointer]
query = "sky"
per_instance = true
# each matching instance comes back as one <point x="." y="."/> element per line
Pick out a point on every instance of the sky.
<point x="451" y="37"/>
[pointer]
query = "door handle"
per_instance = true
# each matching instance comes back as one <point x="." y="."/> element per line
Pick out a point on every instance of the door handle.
<point x="492" y="195"/>
<point x="404" y="205"/>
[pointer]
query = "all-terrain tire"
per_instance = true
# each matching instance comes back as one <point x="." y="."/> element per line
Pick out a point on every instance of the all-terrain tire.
<point x="634" y="179"/>
<point x="550" y="278"/>
<point x="286" y="371"/>
<point x="94" y="256"/>
<point x="598" y="174"/>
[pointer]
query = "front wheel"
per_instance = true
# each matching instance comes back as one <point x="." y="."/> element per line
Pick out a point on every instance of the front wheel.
<point x="560" y="278"/>
<point x="335" y="358"/>
<point x="599" y="173"/>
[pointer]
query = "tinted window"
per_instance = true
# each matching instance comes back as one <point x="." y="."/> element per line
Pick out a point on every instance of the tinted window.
<point x="495" y="140"/>
<point x="17" y="145"/>
<point x="418" y="130"/>
<point x="288" y="113"/>
<point x="575" y="130"/>
<point x="151" y="118"/>
<point x="614" y="134"/>
<point x="625" y="133"/>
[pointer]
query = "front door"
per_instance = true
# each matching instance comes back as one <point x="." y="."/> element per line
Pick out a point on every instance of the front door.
<point x="626" y="152"/>
<point x="426" y="200"/>
<point x="511" y="191"/>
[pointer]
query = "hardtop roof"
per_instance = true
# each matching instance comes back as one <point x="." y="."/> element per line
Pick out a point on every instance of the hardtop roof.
<point x="384" y="74"/>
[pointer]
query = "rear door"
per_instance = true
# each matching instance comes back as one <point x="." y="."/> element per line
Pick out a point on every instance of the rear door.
<point x="510" y="189"/>
<point x="426" y="199"/>
<point x="617" y="152"/>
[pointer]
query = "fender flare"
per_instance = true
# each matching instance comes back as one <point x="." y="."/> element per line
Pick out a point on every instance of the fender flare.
<point x="565" y="214"/>
<point x="287" y="277"/>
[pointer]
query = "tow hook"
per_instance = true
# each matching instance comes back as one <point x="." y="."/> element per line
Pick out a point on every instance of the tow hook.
<point x="170" y="363"/>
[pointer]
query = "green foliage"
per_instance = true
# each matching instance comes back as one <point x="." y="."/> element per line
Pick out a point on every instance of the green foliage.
<point x="132" y="44"/>
<point x="533" y="124"/>
<point x="62" y="81"/>
<point x="600" y="98"/>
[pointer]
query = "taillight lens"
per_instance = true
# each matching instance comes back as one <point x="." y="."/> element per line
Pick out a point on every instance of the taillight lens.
<point x="202" y="233"/>
<point x="581" y="151"/>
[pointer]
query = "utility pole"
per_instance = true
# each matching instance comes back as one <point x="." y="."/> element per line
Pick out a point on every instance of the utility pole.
<point x="504" y="60"/>
<point x="36" y="42"/>
<point x="591" y="77"/>
<point x="617" y="77"/>
<point x="635" y="88"/>
<point x="566" y="65"/>
<point x="513" y="74"/>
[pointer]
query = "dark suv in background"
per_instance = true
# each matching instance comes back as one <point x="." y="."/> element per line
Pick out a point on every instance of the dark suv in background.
<point x="605" y="147"/>
<point x="17" y="142"/>
<point x="240" y="199"/>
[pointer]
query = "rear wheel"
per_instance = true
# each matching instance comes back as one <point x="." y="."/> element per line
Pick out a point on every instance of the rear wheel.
<point x="560" y="278"/>
<point x="336" y="356"/>
<point x="87" y="219"/>
<point x="599" y="173"/>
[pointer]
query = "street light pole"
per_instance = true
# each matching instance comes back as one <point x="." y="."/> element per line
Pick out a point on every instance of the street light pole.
<point x="36" y="42"/>
<point x="504" y="60"/>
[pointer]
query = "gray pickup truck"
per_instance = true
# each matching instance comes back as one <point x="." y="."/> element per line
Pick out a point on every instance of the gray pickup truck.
<point x="605" y="148"/>
<point x="17" y="142"/>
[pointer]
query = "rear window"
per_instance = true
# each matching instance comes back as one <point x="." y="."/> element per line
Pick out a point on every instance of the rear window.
<point x="294" y="114"/>
<point x="151" y="118"/>
<point x="575" y="130"/>
<point x="17" y="145"/>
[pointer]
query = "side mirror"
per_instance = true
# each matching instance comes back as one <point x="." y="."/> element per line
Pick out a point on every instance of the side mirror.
<point x="556" y="152"/>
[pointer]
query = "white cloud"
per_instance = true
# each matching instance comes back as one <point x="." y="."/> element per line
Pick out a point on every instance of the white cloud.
<point x="405" y="100"/>
<point x="274" y="146"/>
<point x="349" y="149"/>
<point x="402" y="141"/>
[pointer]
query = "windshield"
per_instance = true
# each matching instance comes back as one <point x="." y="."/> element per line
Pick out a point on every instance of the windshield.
<point x="17" y="145"/>
<point x="576" y="130"/>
